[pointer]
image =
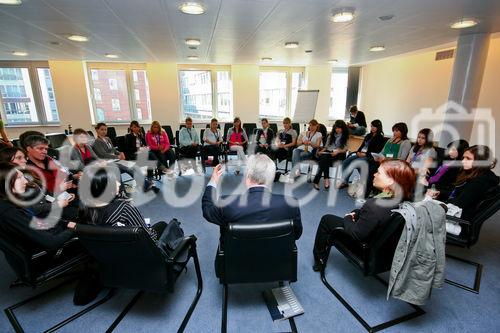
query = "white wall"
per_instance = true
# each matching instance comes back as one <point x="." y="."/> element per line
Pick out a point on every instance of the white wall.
<point x="396" y="89"/>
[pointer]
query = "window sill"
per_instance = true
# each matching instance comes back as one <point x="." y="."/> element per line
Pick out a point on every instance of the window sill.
<point x="32" y="125"/>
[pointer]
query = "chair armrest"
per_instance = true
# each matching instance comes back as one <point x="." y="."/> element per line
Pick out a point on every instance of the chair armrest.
<point x="185" y="243"/>
<point x="458" y="220"/>
<point x="57" y="253"/>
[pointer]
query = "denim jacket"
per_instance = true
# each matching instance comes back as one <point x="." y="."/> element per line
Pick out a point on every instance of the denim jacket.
<point x="419" y="261"/>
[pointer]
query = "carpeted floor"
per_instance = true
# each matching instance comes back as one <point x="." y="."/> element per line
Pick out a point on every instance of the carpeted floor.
<point x="449" y="310"/>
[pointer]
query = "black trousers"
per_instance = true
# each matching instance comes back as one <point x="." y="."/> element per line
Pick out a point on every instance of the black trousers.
<point x="282" y="154"/>
<point x="326" y="229"/>
<point x="266" y="151"/>
<point x="189" y="151"/>
<point x="167" y="159"/>
<point x="211" y="150"/>
<point x="325" y="161"/>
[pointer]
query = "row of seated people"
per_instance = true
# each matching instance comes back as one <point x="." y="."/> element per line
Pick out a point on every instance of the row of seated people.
<point x="394" y="178"/>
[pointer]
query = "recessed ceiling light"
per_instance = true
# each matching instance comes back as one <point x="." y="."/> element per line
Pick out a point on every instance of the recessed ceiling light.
<point x="377" y="48"/>
<point x="291" y="45"/>
<point x="193" y="42"/>
<point x="463" y="23"/>
<point x="344" y="15"/>
<point x="193" y="8"/>
<point x="332" y="61"/>
<point x="192" y="57"/>
<point x="11" y="2"/>
<point x="78" y="38"/>
<point x="112" y="56"/>
<point x="20" y="53"/>
<point x="266" y="59"/>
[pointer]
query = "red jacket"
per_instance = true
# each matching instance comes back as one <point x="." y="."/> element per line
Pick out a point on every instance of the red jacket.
<point x="157" y="141"/>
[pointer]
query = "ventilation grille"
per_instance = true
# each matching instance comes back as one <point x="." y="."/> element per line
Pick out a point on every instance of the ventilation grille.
<point x="442" y="55"/>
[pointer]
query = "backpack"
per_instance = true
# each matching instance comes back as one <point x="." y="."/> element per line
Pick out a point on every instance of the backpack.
<point x="171" y="236"/>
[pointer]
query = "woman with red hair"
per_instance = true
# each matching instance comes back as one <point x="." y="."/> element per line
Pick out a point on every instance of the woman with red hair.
<point x="396" y="181"/>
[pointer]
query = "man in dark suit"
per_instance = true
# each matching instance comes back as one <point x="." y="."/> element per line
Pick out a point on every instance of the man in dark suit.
<point x="257" y="204"/>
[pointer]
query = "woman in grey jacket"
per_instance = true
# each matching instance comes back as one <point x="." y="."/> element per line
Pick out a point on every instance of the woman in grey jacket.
<point x="103" y="146"/>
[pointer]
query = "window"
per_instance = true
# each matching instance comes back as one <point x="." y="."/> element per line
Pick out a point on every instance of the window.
<point x="27" y="94"/>
<point x="278" y="92"/>
<point x="48" y="97"/>
<point x="113" y="84"/>
<point x="338" y="93"/>
<point x="97" y="94"/>
<point x="115" y="104"/>
<point x="141" y="88"/>
<point x="297" y="84"/>
<point x="206" y="94"/>
<point x="120" y="93"/>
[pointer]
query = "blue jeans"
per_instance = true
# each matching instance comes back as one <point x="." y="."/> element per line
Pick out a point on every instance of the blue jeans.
<point x="347" y="162"/>
<point x="360" y="130"/>
<point x="301" y="155"/>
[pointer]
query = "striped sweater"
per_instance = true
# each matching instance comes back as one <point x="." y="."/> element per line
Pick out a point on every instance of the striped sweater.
<point x="120" y="213"/>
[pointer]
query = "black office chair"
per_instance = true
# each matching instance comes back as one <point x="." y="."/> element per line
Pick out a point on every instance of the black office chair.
<point x="57" y="140"/>
<point x="181" y="126"/>
<point x="249" y="128"/>
<point x="296" y="127"/>
<point x="170" y="135"/>
<point x="16" y="143"/>
<point x="37" y="268"/>
<point x="372" y="258"/>
<point x="129" y="258"/>
<point x="469" y="234"/>
<point x="227" y="126"/>
<point x="274" y="127"/>
<point x="112" y="134"/>
<point x="256" y="253"/>
<point x="91" y="134"/>
<point x="119" y="142"/>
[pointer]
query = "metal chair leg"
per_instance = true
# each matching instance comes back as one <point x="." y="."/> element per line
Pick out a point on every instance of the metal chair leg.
<point x="224" y="309"/>
<point x="194" y="254"/>
<point x="19" y="329"/>
<point x="125" y="311"/>
<point x="418" y="310"/>
<point x="477" y="275"/>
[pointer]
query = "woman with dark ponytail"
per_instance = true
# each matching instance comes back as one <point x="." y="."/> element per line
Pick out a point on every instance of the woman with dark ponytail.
<point x="334" y="150"/>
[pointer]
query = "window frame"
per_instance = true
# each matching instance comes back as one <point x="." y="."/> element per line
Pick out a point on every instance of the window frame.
<point x="289" y="75"/>
<point x="36" y="89"/>
<point x="128" y="68"/>
<point x="213" y="69"/>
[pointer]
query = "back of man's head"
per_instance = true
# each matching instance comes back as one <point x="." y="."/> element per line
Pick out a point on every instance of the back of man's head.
<point x="260" y="170"/>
